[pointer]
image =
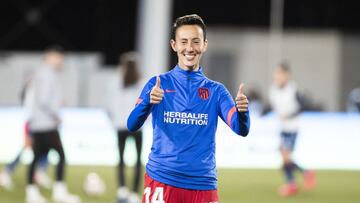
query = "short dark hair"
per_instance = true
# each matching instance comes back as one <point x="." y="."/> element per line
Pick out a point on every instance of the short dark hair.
<point x="192" y="19"/>
<point x="285" y="67"/>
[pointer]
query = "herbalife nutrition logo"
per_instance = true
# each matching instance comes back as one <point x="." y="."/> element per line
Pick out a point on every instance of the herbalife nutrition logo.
<point x="185" y="118"/>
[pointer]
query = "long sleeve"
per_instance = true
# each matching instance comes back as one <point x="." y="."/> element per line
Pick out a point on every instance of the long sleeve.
<point x="239" y="122"/>
<point x="44" y="100"/>
<point x="142" y="108"/>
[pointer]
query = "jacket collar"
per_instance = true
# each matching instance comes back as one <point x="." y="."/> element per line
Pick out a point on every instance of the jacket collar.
<point x="181" y="74"/>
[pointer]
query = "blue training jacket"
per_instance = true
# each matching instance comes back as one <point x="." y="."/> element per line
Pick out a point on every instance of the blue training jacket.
<point x="184" y="125"/>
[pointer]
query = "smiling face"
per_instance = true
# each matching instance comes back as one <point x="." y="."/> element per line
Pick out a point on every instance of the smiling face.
<point x="189" y="44"/>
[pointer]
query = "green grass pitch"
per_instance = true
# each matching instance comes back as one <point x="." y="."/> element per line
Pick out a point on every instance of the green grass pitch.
<point x="235" y="186"/>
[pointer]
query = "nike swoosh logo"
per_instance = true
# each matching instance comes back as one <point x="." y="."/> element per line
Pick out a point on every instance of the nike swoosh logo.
<point x="169" y="91"/>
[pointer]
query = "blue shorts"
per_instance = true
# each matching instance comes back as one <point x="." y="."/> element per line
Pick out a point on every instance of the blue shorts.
<point x="288" y="140"/>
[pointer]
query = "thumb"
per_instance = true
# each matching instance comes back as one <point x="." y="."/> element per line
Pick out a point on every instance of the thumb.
<point x="241" y="89"/>
<point x="157" y="82"/>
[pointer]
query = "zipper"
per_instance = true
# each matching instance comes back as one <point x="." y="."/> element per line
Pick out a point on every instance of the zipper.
<point x="188" y="80"/>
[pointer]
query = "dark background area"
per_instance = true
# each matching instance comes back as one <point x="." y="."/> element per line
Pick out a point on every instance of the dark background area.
<point x="87" y="25"/>
<point x="109" y="26"/>
<point x="343" y="15"/>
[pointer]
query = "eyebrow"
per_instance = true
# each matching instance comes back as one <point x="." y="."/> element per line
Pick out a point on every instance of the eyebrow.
<point x="196" y="38"/>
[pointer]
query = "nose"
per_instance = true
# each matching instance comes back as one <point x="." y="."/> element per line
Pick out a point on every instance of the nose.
<point x="189" y="47"/>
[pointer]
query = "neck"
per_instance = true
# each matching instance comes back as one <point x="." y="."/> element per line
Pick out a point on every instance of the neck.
<point x="190" y="68"/>
<point x="283" y="85"/>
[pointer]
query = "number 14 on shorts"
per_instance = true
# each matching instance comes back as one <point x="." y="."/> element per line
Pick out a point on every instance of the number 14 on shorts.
<point x="157" y="195"/>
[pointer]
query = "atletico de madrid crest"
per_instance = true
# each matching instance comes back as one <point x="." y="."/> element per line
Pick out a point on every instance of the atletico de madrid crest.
<point x="203" y="93"/>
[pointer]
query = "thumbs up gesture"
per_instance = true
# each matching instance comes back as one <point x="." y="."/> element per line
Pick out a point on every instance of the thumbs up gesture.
<point x="156" y="94"/>
<point x="241" y="100"/>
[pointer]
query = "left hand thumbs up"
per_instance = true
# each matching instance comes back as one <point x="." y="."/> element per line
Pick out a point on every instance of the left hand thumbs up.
<point x="241" y="100"/>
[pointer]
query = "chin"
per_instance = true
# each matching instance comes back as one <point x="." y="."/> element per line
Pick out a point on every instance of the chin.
<point x="190" y="63"/>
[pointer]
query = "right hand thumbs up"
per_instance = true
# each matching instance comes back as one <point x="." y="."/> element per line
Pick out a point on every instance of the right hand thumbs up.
<point x="157" y="82"/>
<point x="156" y="94"/>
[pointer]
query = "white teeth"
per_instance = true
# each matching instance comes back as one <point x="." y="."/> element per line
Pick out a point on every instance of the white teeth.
<point x="189" y="57"/>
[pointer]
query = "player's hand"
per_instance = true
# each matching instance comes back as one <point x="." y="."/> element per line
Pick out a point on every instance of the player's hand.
<point x="156" y="94"/>
<point x="241" y="100"/>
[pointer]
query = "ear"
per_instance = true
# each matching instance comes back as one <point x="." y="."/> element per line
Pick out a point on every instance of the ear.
<point x="205" y="45"/>
<point x="173" y="45"/>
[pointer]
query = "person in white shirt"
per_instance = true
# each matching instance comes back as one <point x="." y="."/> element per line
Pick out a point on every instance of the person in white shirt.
<point x="43" y="102"/>
<point x="285" y="102"/>
<point x="121" y="98"/>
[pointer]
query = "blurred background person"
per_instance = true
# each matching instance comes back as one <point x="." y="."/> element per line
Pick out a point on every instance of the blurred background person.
<point x="41" y="176"/>
<point x="285" y="102"/>
<point x="256" y="103"/>
<point x="122" y="95"/>
<point x="43" y="101"/>
<point x="353" y="103"/>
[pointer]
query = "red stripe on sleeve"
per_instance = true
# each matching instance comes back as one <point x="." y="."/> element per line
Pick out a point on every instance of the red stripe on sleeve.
<point x="230" y="114"/>
<point x="138" y="101"/>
